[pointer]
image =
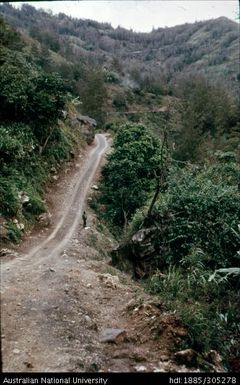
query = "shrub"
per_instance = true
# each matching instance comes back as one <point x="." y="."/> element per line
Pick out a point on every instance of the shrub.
<point x="203" y="307"/>
<point x="13" y="233"/>
<point x="200" y="209"/>
<point x="9" y="204"/>
<point x="111" y="76"/>
<point x="16" y="142"/>
<point x="119" y="102"/>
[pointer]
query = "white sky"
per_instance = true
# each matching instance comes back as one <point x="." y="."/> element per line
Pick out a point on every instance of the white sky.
<point x="143" y="15"/>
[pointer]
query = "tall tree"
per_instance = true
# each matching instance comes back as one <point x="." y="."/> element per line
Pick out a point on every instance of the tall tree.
<point x="130" y="172"/>
<point x="207" y="112"/>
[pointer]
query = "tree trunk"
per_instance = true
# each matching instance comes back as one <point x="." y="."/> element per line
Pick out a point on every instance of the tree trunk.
<point x="41" y="148"/>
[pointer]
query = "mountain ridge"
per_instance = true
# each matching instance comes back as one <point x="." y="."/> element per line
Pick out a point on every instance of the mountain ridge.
<point x="204" y="47"/>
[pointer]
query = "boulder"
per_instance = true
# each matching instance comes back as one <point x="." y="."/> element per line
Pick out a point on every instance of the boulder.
<point x="23" y="197"/>
<point x="143" y="242"/>
<point x="88" y="133"/>
<point x="188" y="357"/>
<point x="139" y="254"/>
<point x="214" y="358"/>
<point x="84" y="124"/>
<point x="45" y="219"/>
<point x="19" y="226"/>
<point x="111" y="281"/>
<point x="113" y="335"/>
<point x="209" y="361"/>
<point x="139" y="355"/>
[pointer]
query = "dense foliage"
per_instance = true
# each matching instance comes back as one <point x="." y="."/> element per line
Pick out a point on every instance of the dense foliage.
<point x="30" y="95"/>
<point x="208" y="119"/>
<point x="196" y="222"/>
<point x="129" y="173"/>
<point x="200" y="209"/>
<point x="32" y="141"/>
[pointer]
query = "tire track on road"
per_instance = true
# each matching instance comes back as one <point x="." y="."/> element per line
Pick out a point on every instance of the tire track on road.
<point x="52" y="246"/>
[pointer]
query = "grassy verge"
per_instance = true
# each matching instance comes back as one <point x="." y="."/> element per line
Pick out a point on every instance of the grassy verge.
<point x="208" y="308"/>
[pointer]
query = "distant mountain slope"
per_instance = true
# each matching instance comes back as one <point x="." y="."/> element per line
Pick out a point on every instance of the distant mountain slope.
<point x="210" y="47"/>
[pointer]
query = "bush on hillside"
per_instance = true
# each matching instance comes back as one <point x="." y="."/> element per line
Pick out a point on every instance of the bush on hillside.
<point x="129" y="175"/>
<point x="201" y="208"/>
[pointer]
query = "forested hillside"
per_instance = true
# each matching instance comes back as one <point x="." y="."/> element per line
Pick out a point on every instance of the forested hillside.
<point x="209" y="48"/>
<point x="115" y="72"/>
<point x="169" y="191"/>
<point x="34" y="139"/>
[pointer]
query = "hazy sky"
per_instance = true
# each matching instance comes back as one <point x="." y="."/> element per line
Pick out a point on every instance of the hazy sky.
<point x="143" y="15"/>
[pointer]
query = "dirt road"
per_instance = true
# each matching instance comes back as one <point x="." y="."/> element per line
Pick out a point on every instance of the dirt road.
<point x="60" y="297"/>
<point x="70" y="216"/>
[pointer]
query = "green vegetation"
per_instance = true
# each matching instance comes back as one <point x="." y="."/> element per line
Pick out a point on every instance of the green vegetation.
<point x="32" y="140"/>
<point x="208" y="119"/>
<point x="198" y="232"/>
<point x="150" y="61"/>
<point x="190" y="255"/>
<point x="208" y="309"/>
<point x="173" y="174"/>
<point x="31" y="96"/>
<point x="129" y="172"/>
<point x="201" y="208"/>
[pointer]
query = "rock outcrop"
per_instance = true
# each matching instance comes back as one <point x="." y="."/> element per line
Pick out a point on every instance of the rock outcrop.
<point x="84" y="124"/>
<point x="140" y="255"/>
<point x="45" y="219"/>
<point x="210" y="361"/>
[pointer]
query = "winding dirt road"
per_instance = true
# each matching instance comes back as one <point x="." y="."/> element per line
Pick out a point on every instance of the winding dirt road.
<point x="25" y="280"/>
<point x="71" y="215"/>
<point x="59" y="295"/>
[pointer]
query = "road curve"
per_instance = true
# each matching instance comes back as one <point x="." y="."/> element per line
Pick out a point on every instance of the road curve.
<point x="42" y="312"/>
<point x="54" y="244"/>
